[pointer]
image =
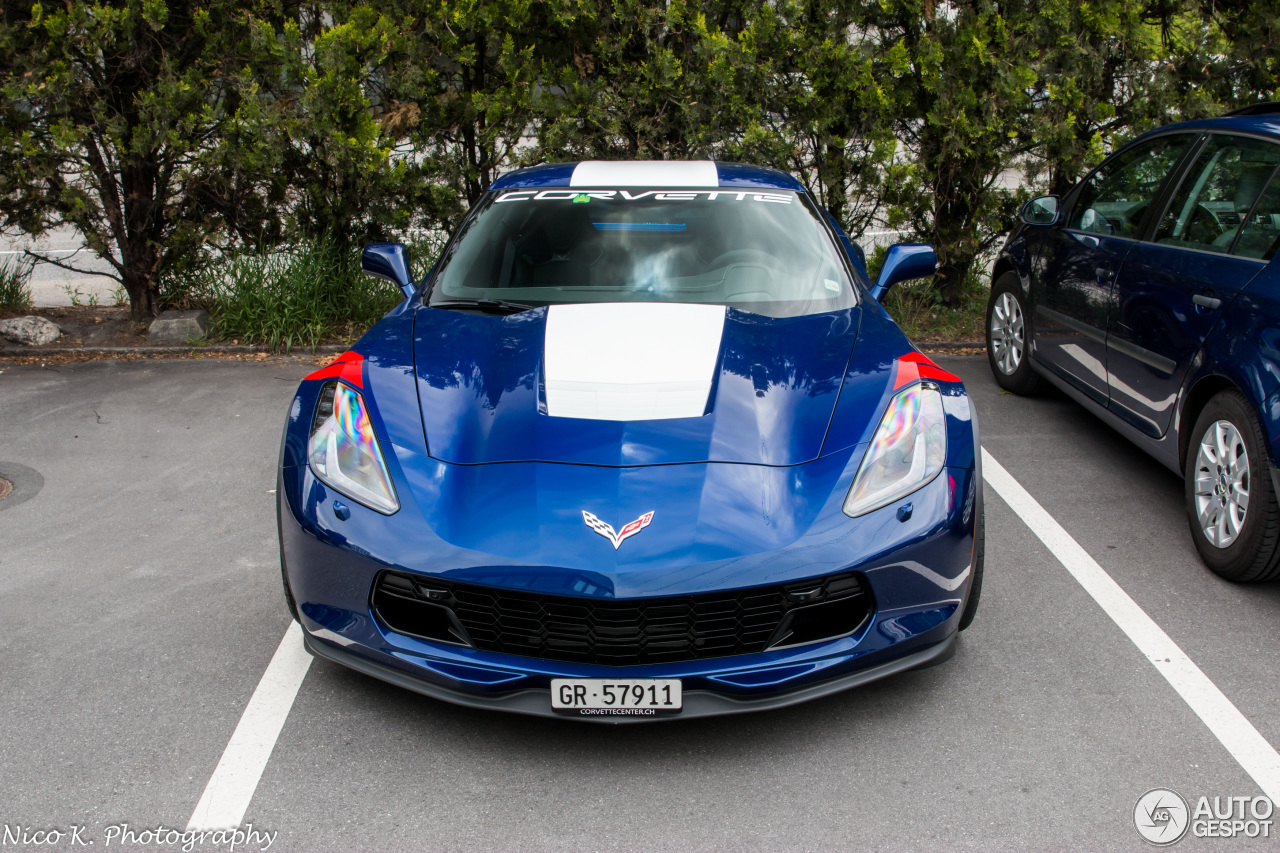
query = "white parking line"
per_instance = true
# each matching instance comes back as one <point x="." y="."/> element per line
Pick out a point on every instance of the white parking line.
<point x="1228" y="725"/>
<point x="227" y="796"/>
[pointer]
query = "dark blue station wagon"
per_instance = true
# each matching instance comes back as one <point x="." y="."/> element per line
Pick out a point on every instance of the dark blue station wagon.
<point x="1150" y="294"/>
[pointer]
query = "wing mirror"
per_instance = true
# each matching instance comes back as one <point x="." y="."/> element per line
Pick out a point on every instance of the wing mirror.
<point x="903" y="262"/>
<point x="389" y="261"/>
<point x="1041" y="210"/>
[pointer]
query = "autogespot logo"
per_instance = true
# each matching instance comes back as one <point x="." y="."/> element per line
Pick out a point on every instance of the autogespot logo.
<point x="1161" y="817"/>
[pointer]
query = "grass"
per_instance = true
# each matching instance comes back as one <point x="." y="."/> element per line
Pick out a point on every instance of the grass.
<point x="285" y="300"/>
<point x="15" y="292"/>
<point x="916" y="308"/>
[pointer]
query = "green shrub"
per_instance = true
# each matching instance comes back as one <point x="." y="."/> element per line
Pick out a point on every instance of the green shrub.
<point x="15" y="292"/>
<point x="920" y="312"/>
<point x="299" y="298"/>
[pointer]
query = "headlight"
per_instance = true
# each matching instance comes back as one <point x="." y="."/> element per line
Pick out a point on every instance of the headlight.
<point x="343" y="451"/>
<point x="908" y="451"/>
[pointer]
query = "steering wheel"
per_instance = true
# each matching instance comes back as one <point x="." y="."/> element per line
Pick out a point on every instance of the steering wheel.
<point x="1202" y="227"/>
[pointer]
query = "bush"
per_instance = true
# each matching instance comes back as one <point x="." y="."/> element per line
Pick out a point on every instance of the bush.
<point x="921" y="313"/>
<point x="301" y="298"/>
<point x="15" y="292"/>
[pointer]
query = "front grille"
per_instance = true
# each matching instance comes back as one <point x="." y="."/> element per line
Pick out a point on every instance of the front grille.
<point x="627" y="632"/>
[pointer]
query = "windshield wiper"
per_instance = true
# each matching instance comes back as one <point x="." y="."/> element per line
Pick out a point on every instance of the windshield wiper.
<point x="488" y="306"/>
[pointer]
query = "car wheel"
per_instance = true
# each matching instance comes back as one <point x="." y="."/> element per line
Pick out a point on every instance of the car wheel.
<point x="1009" y="337"/>
<point x="979" y="558"/>
<point x="1231" y="501"/>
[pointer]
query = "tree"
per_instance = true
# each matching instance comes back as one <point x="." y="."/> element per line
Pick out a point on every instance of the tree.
<point x="957" y="79"/>
<point x="825" y="117"/>
<point x="457" y="88"/>
<point x="655" y="81"/>
<point x="336" y="139"/>
<point x="1230" y="49"/>
<point x="1107" y="71"/>
<point x="112" y="114"/>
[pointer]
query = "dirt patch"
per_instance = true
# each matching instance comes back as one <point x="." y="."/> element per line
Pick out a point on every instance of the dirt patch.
<point x="5" y="488"/>
<point x="89" y="326"/>
<point x="110" y="326"/>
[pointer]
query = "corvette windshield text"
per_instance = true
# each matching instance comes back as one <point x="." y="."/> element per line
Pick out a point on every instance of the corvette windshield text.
<point x="653" y="195"/>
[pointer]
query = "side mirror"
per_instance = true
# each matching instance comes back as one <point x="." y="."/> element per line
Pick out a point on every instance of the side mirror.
<point x="1041" y="210"/>
<point x="903" y="262"/>
<point x="389" y="261"/>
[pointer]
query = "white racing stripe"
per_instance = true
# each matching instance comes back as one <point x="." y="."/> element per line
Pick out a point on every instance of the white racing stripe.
<point x="1228" y="725"/>
<point x="645" y="173"/>
<point x="227" y="796"/>
<point x="631" y="361"/>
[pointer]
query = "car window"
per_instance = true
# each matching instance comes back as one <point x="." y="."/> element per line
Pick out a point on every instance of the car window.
<point x="1217" y="192"/>
<point x="763" y="251"/>
<point x="1116" y="196"/>
<point x="1260" y="236"/>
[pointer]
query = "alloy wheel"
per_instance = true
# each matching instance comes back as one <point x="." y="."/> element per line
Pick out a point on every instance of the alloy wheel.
<point x="1007" y="340"/>
<point x="1222" y="483"/>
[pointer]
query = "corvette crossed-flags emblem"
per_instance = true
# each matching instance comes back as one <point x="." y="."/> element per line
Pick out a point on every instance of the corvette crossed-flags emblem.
<point x="606" y="530"/>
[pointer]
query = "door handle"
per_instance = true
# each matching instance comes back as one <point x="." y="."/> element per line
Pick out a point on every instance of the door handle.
<point x="1204" y="301"/>
<point x="1104" y="274"/>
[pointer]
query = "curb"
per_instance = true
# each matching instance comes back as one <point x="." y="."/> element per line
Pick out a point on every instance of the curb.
<point x="4" y="351"/>
<point x="951" y="344"/>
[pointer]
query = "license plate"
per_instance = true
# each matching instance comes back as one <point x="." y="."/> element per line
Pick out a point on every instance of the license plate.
<point x="616" y="697"/>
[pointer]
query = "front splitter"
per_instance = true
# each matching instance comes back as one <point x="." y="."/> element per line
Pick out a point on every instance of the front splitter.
<point x="697" y="703"/>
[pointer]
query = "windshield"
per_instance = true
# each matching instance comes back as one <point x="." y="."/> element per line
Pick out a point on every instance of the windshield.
<point x="766" y="252"/>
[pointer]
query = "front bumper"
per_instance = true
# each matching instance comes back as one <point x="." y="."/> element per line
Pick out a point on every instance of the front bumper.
<point x="536" y="701"/>
<point x="917" y="571"/>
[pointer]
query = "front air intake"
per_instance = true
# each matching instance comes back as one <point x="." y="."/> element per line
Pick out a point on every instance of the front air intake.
<point x="623" y="632"/>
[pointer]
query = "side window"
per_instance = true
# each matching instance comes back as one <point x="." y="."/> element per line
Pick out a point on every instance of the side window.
<point x="1115" y="198"/>
<point x="1260" y="237"/>
<point x="1217" y="193"/>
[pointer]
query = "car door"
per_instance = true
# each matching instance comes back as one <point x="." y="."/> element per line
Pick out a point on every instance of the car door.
<point x="1173" y="288"/>
<point x="1079" y="261"/>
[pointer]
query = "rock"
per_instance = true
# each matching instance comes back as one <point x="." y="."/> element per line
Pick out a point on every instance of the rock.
<point x="178" y="327"/>
<point x="30" y="331"/>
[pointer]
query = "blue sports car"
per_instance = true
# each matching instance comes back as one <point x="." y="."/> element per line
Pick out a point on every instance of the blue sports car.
<point x="642" y="445"/>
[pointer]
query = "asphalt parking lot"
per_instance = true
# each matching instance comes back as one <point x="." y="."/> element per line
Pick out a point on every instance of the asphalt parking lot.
<point x="140" y="604"/>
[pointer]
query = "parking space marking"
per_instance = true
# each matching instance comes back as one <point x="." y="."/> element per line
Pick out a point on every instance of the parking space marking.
<point x="231" y="787"/>
<point x="1258" y="758"/>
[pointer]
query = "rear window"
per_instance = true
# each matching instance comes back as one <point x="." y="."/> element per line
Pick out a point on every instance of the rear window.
<point x="1217" y="194"/>
<point x="1260" y="236"/>
<point x="766" y="252"/>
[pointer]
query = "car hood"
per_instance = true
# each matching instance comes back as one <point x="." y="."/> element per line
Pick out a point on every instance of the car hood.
<point x="629" y="384"/>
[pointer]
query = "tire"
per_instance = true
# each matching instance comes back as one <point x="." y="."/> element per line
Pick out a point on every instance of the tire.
<point x="1009" y="337"/>
<point x="979" y="559"/>
<point x="1239" y="540"/>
